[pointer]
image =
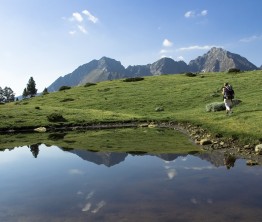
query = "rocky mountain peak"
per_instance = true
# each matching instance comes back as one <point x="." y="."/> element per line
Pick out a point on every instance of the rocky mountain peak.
<point x="219" y="60"/>
<point x="167" y="66"/>
<point x="217" y="50"/>
<point x="106" y="62"/>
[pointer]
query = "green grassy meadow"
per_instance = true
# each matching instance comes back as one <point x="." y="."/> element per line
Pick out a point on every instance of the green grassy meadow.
<point x="183" y="99"/>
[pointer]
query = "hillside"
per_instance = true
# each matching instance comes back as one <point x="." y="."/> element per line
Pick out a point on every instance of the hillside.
<point x="215" y="60"/>
<point x="182" y="99"/>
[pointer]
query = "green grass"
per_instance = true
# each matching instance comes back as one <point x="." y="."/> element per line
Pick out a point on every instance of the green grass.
<point x="118" y="140"/>
<point x="183" y="98"/>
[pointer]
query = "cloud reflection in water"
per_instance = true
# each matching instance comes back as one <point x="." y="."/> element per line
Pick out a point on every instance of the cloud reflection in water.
<point x="76" y="172"/>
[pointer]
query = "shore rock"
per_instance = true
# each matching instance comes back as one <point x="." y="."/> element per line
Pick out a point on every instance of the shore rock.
<point x="40" y="129"/>
<point x="205" y="142"/>
<point x="258" y="149"/>
<point x="251" y="162"/>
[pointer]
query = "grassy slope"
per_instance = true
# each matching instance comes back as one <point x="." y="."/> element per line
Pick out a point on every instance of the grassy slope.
<point x="183" y="99"/>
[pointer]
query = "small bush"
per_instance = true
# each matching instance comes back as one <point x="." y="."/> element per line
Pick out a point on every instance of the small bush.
<point x="67" y="100"/>
<point x="233" y="70"/>
<point x="45" y="92"/>
<point x="104" y="90"/>
<point x="137" y="153"/>
<point x="89" y="84"/>
<point x="216" y="106"/>
<point x="56" y="136"/>
<point x="64" y="88"/>
<point x="56" y="117"/>
<point x="133" y="79"/>
<point x="190" y="74"/>
<point x="159" y="109"/>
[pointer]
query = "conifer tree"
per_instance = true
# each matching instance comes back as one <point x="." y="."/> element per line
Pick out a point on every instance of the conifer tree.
<point x="25" y="93"/>
<point x="45" y="91"/>
<point x="31" y="90"/>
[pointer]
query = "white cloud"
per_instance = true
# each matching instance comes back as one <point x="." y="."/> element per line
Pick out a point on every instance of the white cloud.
<point x="171" y="173"/>
<point x="163" y="51"/>
<point x="193" y="201"/>
<point x="180" y="58"/>
<point x="87" y="207"/>
<point x="165" y="56"/>
<point x="203" y="13"/>
<point x="197" y="47"/>
<point x="99" y="206"/>
<point x="80" y="22"/>
<point x="167" y="43"/>
<point x="72" y="32"/>
<point x="251" y="38"/>
<point x="90" y="195"/>
<point x="77" y="17"/>
<point x="200" y="168"/>
<point x="90" y="17"/>
<point x="82" y="29"/>
<point x="75" y="172"/>
<point x="190" y="14"/>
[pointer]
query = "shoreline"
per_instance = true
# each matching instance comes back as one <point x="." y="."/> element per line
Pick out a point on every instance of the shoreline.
<point x="196" y="134"/>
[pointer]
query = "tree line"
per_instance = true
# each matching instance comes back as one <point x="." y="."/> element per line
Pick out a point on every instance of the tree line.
<point x="8" y="95"/>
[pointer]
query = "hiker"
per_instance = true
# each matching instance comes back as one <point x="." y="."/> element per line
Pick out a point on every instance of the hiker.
<point x="228" y="95"/>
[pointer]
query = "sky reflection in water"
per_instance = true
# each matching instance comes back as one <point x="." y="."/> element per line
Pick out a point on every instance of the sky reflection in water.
<point x="79" y="185"/>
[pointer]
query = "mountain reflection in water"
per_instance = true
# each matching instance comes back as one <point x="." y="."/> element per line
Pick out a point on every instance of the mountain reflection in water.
<point x="40" y="183"/>
<point x="112" y="158"/>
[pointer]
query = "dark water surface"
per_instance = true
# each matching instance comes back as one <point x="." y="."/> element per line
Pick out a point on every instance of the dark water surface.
<point x="79" y="185"/>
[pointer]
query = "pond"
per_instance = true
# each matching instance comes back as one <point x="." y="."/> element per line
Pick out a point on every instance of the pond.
<point x="48" y="183"/>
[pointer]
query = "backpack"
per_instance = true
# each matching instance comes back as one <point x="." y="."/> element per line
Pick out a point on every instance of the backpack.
<point x="229" y="92"/>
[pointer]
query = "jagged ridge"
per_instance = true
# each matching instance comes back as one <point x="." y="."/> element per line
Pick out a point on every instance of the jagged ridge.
<point x="215" y="60"/>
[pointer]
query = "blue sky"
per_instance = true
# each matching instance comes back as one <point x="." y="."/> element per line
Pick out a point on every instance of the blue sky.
<point x="50" y="38"/>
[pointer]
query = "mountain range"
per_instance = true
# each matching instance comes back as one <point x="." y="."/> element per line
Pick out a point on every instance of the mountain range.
<point x="215" y="60"/>
<point x="110" y="159"/>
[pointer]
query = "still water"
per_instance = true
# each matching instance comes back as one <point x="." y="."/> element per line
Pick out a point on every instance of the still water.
<point x="47" y="183"/>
